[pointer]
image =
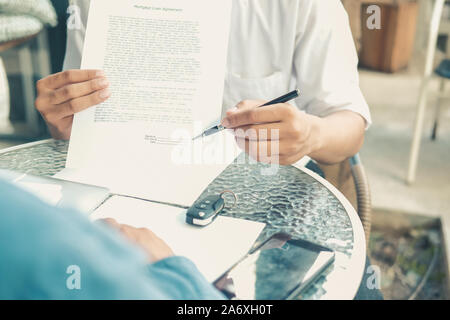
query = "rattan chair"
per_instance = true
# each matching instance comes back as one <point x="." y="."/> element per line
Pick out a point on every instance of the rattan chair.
<point x="350" y="178"/>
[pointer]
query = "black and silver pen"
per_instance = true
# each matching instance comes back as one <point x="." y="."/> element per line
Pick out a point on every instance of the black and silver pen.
<point x="283" y="99"/>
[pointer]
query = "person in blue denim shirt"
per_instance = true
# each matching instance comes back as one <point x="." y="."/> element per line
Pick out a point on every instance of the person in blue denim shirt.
<point x="50" y="253"/>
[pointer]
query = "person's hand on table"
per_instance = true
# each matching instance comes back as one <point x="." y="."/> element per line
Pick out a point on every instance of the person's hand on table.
<point x="61" y="95"/>
<point x="279" y="133"/>
<point x="155" y="248"/>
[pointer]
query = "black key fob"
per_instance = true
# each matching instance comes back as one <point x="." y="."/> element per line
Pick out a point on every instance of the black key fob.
<point x="205" y="211"/>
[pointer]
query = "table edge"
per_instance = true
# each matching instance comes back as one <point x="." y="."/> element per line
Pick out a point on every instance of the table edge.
<point x="26" y="145"/>
<point x="358" y="259"/>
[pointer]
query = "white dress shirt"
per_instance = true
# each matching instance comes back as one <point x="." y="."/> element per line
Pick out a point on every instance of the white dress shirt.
<point x="276" y="46"/>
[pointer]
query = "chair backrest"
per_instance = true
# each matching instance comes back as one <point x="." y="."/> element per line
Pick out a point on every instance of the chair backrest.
<point x="340" y="176"/>
<point x="433" y="34"/>
<point x="350" y="178"/>
<point x="363" y="194"/>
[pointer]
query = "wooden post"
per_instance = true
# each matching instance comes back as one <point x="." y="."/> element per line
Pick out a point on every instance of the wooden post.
<point x="353" y="8"/>
<point x="390" y="48"/>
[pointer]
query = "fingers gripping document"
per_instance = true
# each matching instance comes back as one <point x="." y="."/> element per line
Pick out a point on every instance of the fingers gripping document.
<point x="165" y="61"/>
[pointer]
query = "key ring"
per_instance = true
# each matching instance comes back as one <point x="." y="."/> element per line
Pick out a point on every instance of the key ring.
<point x="233" y="194"/>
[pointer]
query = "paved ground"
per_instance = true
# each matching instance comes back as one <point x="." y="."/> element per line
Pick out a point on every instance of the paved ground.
<point x="410" y="257"/>
<point x="392" y="99"/>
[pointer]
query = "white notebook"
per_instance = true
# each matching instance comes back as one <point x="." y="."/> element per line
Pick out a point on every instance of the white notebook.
<point x="213" y="249"/>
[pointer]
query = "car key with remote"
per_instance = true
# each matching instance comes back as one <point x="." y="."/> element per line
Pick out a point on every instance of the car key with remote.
<point x="205" y="211"/>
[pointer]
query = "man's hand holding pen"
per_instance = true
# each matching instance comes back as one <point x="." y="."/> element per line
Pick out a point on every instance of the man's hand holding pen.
<point x="279" y="133"/>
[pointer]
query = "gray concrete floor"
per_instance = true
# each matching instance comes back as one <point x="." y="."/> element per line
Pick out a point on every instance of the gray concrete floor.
<point x="393" y="100"/>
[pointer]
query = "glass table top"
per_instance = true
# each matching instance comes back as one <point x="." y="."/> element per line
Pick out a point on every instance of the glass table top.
<point x="292" y="201"/>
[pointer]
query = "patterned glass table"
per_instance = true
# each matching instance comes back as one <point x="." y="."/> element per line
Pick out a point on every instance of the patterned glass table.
<point x="295" y="201"/>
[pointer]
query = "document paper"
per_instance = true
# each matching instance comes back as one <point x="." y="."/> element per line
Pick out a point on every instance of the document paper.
<point x="165" y="60"/>
<point x="214" y="249"/>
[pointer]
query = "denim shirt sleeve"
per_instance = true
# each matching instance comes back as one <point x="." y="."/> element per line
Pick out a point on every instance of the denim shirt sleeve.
<point x="48" y="253"/>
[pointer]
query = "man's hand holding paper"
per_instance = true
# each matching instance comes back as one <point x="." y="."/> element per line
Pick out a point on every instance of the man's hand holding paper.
<point x="62" y="95"/>
<point x="165" y="62"/>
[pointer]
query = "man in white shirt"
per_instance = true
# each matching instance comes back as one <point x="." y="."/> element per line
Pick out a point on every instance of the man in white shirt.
<point x="274" y="46"/>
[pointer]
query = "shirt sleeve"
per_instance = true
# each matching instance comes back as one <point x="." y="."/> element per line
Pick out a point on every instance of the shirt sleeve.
<point x="48" y="253"/>
<point x="76" y="30"/>
<point x="326" y="61"/>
